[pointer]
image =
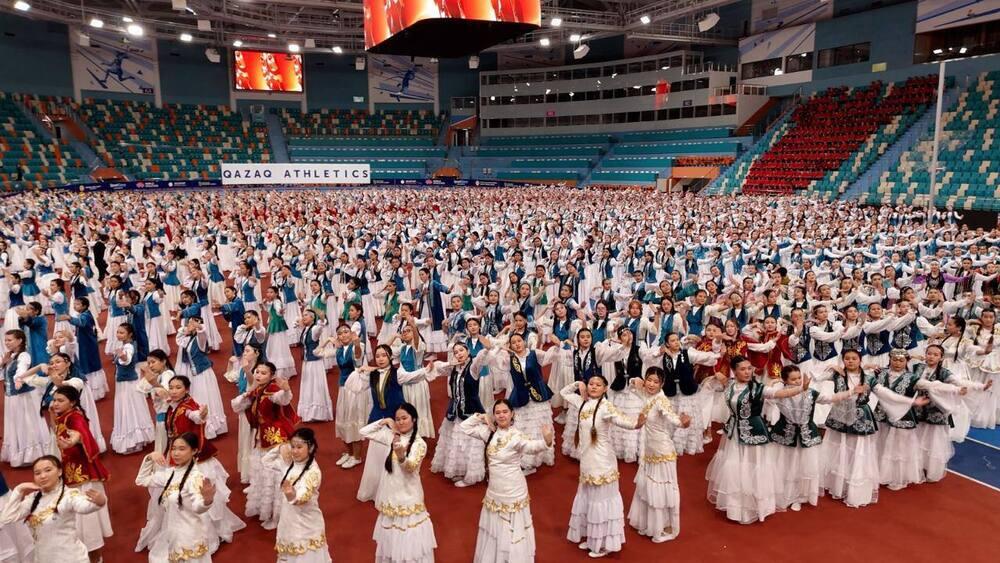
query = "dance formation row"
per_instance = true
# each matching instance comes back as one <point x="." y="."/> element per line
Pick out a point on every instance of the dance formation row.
<point x="614" y="298"/>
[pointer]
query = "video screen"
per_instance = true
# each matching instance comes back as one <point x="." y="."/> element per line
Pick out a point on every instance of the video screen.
<point x="267" y="72"/>
<point x="385" y="18"/>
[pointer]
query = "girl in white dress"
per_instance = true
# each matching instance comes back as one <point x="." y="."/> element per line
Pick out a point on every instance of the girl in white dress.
<point x="155" y="374"/>
<point x="456" y="455"/>
<point x="133" y="427"/>
<point x="353" y="407"/>
<point x="597" y="519"/>
<point x="742" y="477"/>
<point x="506" y="533"/>
<point x="301" y="528"/>
<point x="192" y="344"/>
<point x="50" y="509"/>
<point x="314" y="394"/>
<point x="403" y="531"/>
<point x="278" y="349"/>
<point x="408" y="352"/>
<point x="656" y="504"/>
<point x="240" y="372"/>
<point x="26" y="434"/>
<point x="958" y="351"/>
<point x="185" y="495"/>
<point x="16" y="543"/>
<point x="986" y="367"/>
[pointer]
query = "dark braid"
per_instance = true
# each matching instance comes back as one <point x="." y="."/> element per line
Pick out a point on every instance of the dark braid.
<point x="180" y="490"/>
<point x="486" y="450"/>
<point x="576" y="436"/>
<point x="165" y="487"/>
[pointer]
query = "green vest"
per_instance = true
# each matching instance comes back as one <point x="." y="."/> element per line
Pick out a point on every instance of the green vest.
<point x="793" y="435"/>
<point x="745" y="421"/>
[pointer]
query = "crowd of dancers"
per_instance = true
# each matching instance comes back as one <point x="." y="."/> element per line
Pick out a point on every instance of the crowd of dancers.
<point x="838" y="348"/>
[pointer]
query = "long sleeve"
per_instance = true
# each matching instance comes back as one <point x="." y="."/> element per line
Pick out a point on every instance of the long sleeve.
<point x="569" y="394"/>
<point x="377" y="432"/>
<point x="151" y="475"/>
<point x="16" y="508"/>
<point x="241" y="402"/>
<point x="895" y="405"/>
<point x="357" y="383"/>
<point x="191" y="493"/>
<point x="475" y="427"/>
<point x="281" y="398"/>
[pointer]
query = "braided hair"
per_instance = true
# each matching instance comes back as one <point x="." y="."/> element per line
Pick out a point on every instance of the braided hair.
<point x="593" y="427"/>
<point x="309" y="437"/>
<point x="191" y="439"/>
<point x="412" y="411"/>
<point x="62" y="485"/>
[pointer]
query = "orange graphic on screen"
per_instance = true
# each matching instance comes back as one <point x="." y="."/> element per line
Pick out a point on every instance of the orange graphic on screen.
<point x="269" y="72"/>
<point x="385" y="18"/>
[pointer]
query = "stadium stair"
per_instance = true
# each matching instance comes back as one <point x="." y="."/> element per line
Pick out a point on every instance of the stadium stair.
<point x="890" y="159"/>
<point x="30" y="151"/>
<point x="969" y="176"/>
<point x="276" y="134"/>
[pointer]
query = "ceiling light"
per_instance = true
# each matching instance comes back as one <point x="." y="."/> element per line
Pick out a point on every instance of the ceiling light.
<point x="556" y="22"/>
<point x="191" y="11"/>
<point x="962" y="51"/>
<point x="493" y="98"/>
<point x="938" y="51"/>
<point x="778" y="72"/>
<point x="527" y="83"/>
<point x="637" y="86"/>
<point x="614" y="75"/>
<point x="664" y="68"/>
<point x="22" y="6"/>
<point x="575" y="38"/>
<point x="804" y="55"/>
<point x="134" y="29"/>
<point x="645" y="20"/>
<point x="186" y="37"/>
<point x="237" y="43"/>
<point x="545" y="41"/>
<point x="294" y="48"/>
<point x="127" y="19"/>
<point x="571" y="94"/>
<point x="338" y="50"/>
<point x="96" y="23"/>
<point x="547" y="90"/>
<point x="272" y="35"/>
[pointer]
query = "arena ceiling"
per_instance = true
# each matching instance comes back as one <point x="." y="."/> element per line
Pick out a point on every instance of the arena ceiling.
<point x="273" y="24"/>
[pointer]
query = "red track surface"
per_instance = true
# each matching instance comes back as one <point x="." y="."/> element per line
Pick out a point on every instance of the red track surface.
<point x="954" y="519"/>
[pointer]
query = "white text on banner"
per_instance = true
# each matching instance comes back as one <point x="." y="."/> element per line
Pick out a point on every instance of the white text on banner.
<point x="295" y="173"/>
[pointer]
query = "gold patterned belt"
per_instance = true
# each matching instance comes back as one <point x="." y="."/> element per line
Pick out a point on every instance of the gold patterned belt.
<point x="506" y="508"/>
<point x="598" y="480"/>
<point x="187" y="554"/>
<point x="393" y="511"/>
<point x="662" y="458"/>
<point x="301" y="548"/>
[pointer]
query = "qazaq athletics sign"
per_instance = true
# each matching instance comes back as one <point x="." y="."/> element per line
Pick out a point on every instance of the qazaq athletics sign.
<point x="300" y="173"/>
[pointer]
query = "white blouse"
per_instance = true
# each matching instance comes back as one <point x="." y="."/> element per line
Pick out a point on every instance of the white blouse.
<point x="507" y="490"/>
<point x="598" y="462"/>
<point x="661" y="420"/>
<point x="182" y="535"/>
<point x="301" y="527"/>
<point x="400" y="493"/>
<point x="54" y="531"/>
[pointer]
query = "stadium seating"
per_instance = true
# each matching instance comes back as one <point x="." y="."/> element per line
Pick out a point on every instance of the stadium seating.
<point x="360" y="123"/>
<point x="27" y="158"/>
<point x="175" y="141"/>
<point x="396" y="143"/>
<point x="731" y="179"/>
<point x="968" y="157"/>
<point x="830" y="129"/>
<point x="642" y="156"/>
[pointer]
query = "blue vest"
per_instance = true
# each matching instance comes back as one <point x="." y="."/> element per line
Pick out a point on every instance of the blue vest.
<point x="345" y="362"/>
<point x="408" y="358"/>
<point x="527" y="383"/>
<point x="193" y="356"/>
<point x="877" y="344"/>
<point x="907" y="337"/>
<point x="151" y="306"/>
<point x="9" y="373"/>
<point x="248" y="293"/>
<point x="824" y="351"/>
<point x="61" y="308"/>
<point x="309" y="345"/>
<point x="385" y="401"/>
<point x="696" y="320"/>
<point x="464" y="401"/>
<point x="126" y="372"/>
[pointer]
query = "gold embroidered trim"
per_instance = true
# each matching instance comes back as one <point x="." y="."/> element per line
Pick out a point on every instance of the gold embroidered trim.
<point x="655" y="402"/>
<point x="301" y="548"/>
<point x="500" y="443"/>
<point x="393" y="511"/>
<point x="312" y="484"/>
<point x="40" y="516"/>
<point x="417" y="453"/>
<point x="598" y="480"/>
<point x="186" y="554"/>
<point x="272" y="437"/>
<point x="662" y="458"/>
<point x="409" y="527"/>
<point x="73" y="474"/>
<point x="506" y="508"/>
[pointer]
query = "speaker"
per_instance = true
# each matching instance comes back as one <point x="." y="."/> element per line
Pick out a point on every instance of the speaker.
<point x="581" y="51"/>
<point x="708" y="22"/>
<point x="84" y="40"/>
<point x="204" y="25"/>
<point x="310" y="43"/>
<point x="179" y="5"/>
<point x="473" y="62"/>
<point x="213" y="55"/>
<point x="359" y="63"/>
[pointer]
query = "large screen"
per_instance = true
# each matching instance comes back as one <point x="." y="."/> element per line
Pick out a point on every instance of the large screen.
<point x="385" y="18"/>
<point x="267" y="72"/>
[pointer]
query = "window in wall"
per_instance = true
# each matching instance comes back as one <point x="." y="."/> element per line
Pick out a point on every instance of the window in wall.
<point x="799" y="62"/>
<point x="701" y="111"/>
<point x="758" y="69"/>
<point x="674" y="113"/>
<point x="846" y="55"/>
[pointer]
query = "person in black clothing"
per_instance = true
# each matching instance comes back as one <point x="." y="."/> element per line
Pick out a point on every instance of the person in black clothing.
<point x="99" y="247"/>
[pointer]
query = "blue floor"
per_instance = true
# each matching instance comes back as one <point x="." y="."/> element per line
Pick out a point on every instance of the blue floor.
<point x="978" y="457"/>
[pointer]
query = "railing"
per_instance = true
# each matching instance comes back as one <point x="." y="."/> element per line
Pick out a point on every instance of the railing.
<point x="706" y="67"/>
<point x="744" y="89"/>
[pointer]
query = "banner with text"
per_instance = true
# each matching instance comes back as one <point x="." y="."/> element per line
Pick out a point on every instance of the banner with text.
<point x="296" y="173"/>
